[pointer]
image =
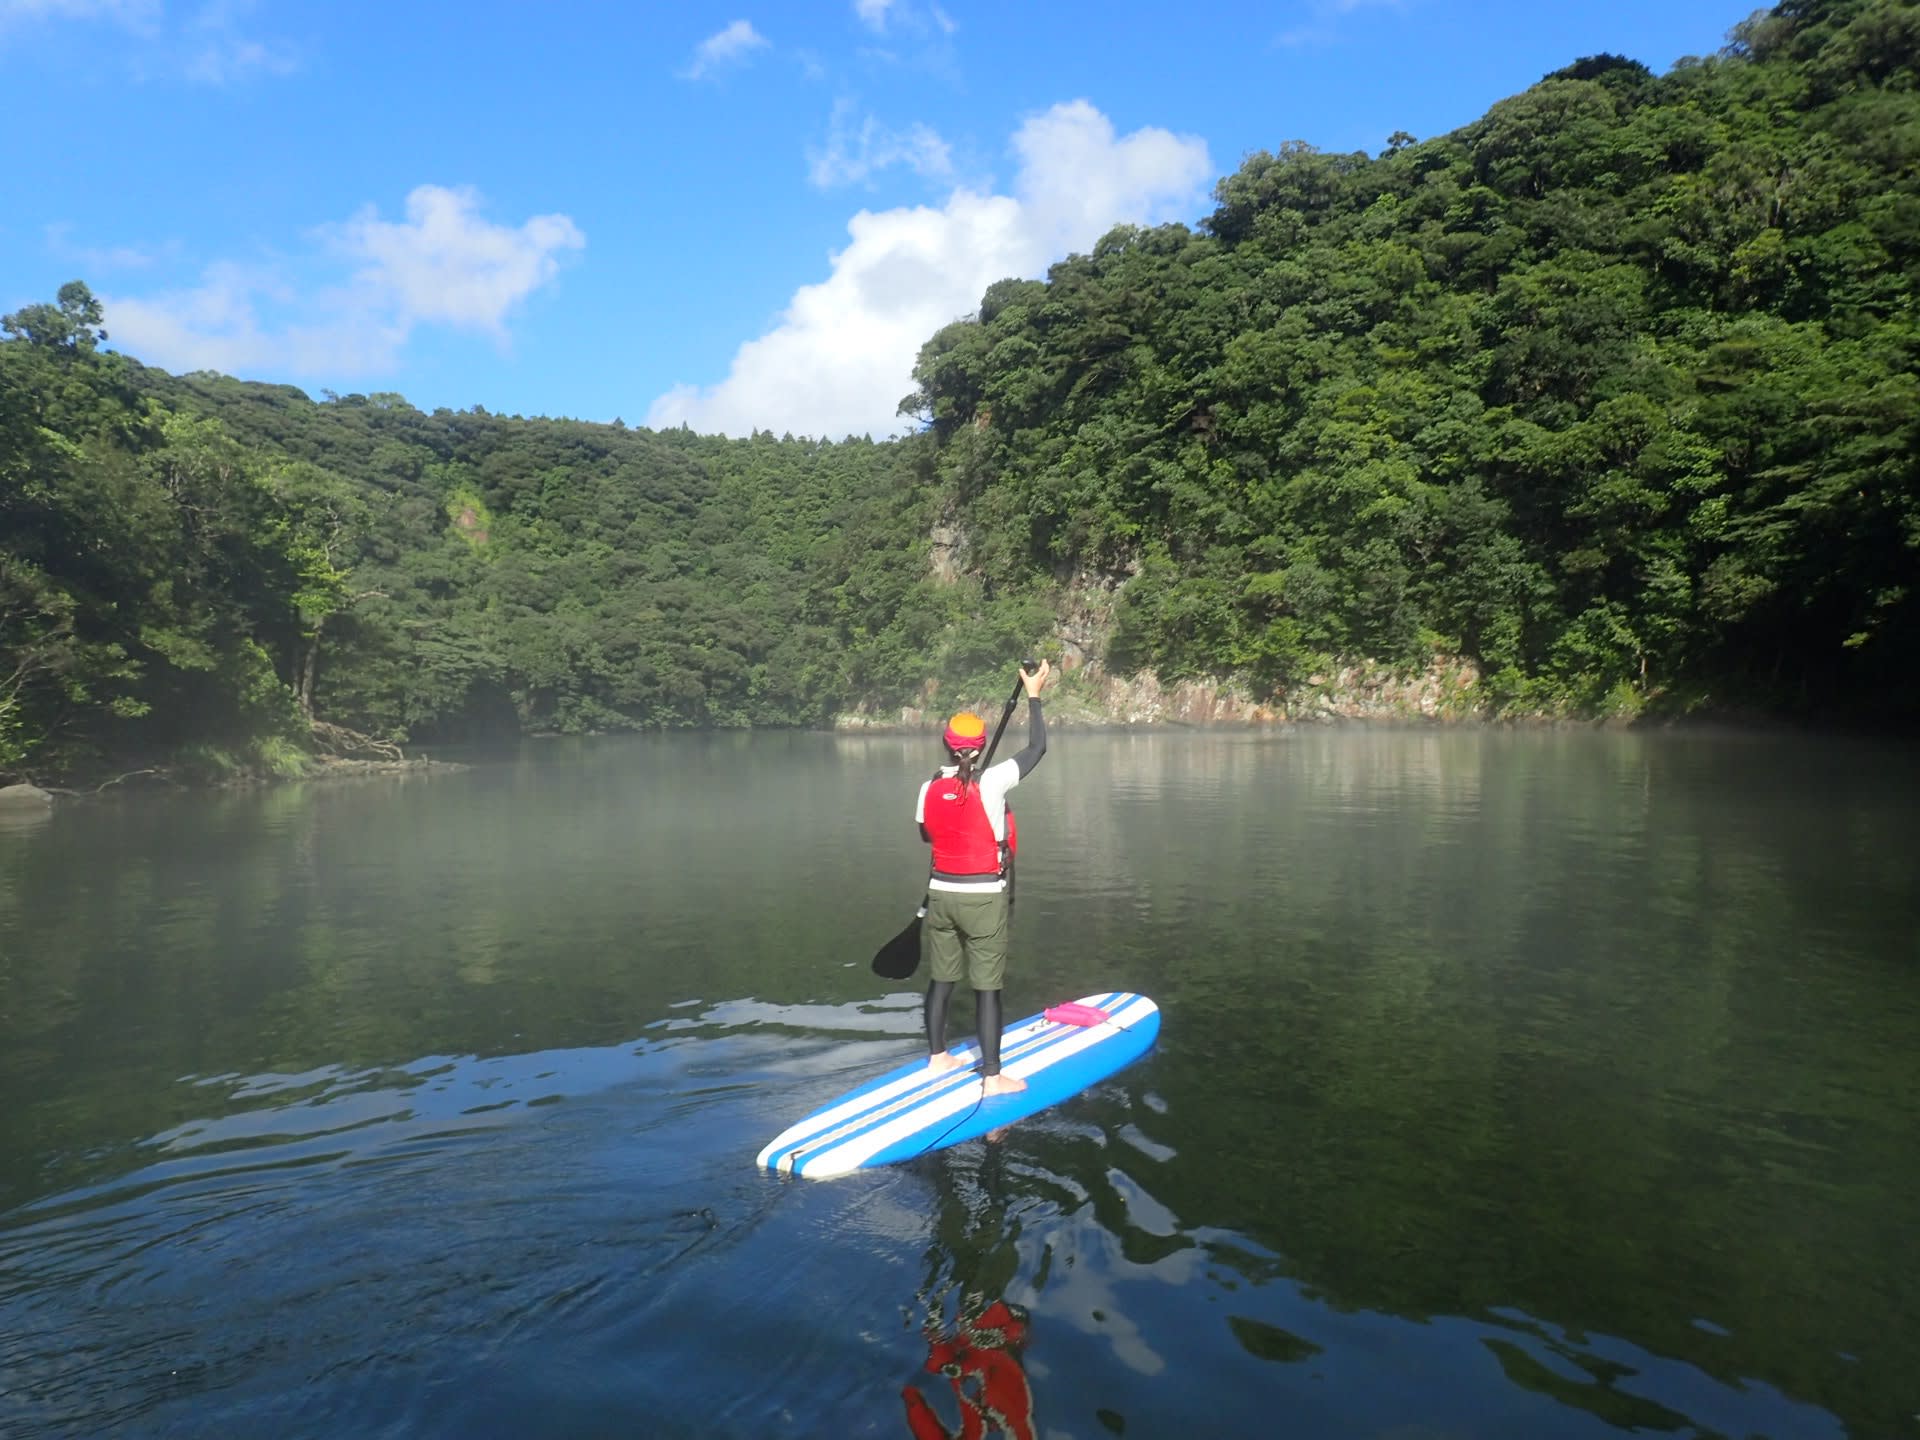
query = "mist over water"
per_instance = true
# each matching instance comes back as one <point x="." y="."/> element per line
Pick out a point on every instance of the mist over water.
<point x="1510" y="1084"/>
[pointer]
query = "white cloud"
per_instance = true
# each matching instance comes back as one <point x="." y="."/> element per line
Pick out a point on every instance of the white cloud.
<point x="732" y="44"/>
<point x="58" y="236"/>
<point x="881" y="15"/>
<point x="1080" y="181"/>
<point x="206" y="45"/>
<point x="854" y="152"/>
<point x="445" y="264"/>
<point x="131" y="13"/>
<point x="842" y="354"/>
<point x="1321" y="29"/>
<point x="215" y="52"/>
<point x="14" y="10"/>
<point x="349" y="308"/>
<point x="228" y="59"/>
<point x="218" y="325"/>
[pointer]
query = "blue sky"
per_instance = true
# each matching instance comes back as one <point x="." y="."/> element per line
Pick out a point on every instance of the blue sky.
<point x="744" y="215"/>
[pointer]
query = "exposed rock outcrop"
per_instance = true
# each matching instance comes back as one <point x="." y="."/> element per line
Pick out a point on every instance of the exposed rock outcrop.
<point x="1448" y="689"/>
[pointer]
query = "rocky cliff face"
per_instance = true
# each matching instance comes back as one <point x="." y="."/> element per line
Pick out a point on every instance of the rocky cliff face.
<point x="1447" y="690"/>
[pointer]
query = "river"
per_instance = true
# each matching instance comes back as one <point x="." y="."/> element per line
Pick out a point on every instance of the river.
<point x="1511" y="1084"/>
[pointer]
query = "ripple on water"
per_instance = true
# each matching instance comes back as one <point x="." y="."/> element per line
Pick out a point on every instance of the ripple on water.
<point x="426" y="1250"/>
<point x="368" y="1217"/>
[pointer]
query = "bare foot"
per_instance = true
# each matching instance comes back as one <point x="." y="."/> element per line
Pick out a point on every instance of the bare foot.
<point x="1003" y="1084"/>
<point x="944" y="1061"/>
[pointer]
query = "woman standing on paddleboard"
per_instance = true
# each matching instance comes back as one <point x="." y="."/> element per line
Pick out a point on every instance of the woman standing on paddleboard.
<point x="963" y="814"/>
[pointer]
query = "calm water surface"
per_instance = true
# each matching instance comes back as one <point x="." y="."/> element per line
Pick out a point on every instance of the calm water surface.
<point x="1510" y="1085"/>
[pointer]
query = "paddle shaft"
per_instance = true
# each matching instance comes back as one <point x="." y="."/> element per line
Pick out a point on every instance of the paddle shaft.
<point x="999" y="730"/>
<point x="1007" y="714"/>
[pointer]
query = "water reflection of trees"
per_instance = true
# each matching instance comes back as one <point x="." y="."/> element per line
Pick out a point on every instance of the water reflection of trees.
<point x="974" y="1336"/>
<point x="545" y="902"/>
<point x="1601" y="1027"/>
<point x="1135" y="1314"/>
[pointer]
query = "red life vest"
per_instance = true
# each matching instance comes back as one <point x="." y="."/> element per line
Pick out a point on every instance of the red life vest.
<point x="962" y="836"/>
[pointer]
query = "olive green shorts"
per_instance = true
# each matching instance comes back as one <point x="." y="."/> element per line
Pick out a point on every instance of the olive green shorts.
<point x="965" y="934"/>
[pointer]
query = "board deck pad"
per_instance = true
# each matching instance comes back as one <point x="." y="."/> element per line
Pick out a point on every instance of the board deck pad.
<point x="911" y="1110"/>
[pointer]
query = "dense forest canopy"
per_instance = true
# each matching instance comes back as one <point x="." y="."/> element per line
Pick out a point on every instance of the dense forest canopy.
<point x="1614" y="392"/>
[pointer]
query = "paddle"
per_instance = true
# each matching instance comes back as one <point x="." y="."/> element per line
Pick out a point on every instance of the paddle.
<point x="900" y="956"/>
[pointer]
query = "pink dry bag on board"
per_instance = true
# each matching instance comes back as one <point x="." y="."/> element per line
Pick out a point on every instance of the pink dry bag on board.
<point x="1074" y="1013"/>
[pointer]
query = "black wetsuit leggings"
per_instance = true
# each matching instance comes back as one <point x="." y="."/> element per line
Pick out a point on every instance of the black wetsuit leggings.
<point x="987" y="1015"/>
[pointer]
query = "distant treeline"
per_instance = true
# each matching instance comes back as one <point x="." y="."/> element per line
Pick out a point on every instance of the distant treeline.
<point x="203" y="565"/>
<point x="1615" y="392"/>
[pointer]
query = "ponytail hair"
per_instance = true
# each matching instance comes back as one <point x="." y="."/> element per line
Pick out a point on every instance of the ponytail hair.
<point x="966" y="762"/>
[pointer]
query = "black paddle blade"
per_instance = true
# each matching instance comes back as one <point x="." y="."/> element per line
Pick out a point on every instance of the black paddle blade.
<point x="900" y="956"/>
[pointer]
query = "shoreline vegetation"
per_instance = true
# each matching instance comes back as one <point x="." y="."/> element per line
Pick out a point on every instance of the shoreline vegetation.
<point x="1602" y="409"/>
<point x="1190" y="707"/>
<point x="25" y="797"/>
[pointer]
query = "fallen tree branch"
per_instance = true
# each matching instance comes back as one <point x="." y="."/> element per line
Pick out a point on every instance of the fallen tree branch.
<point x="349" y="744"/>
<point x="62" y="790"/>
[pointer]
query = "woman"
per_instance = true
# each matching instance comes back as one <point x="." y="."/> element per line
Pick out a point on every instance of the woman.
<point x="962" y="813"/>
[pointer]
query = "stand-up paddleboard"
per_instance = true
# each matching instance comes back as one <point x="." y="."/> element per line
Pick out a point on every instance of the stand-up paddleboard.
<point x="912" y="1110"/>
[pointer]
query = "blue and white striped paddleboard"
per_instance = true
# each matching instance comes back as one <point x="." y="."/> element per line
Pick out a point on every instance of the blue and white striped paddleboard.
<point x="911" y="1110"/>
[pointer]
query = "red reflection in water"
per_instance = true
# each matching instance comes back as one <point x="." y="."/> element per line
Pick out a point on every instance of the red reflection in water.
<point x="980" y="1359"/>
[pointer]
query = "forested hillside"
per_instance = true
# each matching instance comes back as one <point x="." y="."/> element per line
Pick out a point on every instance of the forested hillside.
<point x="1613" y="393"/>
<point x="201" y="568"/>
